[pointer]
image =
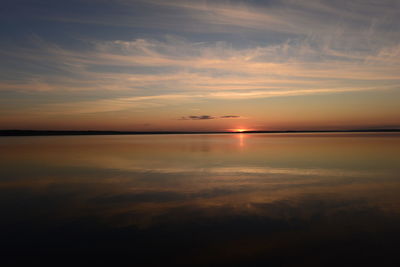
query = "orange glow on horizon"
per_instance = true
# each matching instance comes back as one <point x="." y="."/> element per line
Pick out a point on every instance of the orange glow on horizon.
<point x="240" y="130"/>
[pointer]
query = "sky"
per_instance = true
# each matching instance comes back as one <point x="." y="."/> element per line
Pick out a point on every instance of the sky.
<point x="157" y="65"/>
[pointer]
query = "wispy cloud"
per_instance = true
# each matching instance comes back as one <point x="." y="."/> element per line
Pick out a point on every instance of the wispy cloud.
<point x="201" y="117"/>
<point x="190" y="66"/>
<point x="230" y="117"/>
<point x="208" y="117"/>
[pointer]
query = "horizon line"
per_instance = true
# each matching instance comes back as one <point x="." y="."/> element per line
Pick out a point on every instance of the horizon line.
<point x="14" y="132"/>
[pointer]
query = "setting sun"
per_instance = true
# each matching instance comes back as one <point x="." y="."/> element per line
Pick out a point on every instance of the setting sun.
<point x="241" y="130"/>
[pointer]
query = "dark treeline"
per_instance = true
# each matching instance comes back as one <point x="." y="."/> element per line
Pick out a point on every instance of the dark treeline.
<point x="55" y="133"/>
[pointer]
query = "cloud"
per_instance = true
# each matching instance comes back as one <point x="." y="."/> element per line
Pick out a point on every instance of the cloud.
<point x="175" y="64"/>
<point x="208" y="117"/>
<point x="147" y="73"/>
<point x="229" y="117"/>
<point x="202" y="117"/>
<point x="299" y="48"/>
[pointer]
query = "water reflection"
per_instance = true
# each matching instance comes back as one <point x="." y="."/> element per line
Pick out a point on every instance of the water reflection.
<point x="241" y="137"/>
<point x="206" y="199"/>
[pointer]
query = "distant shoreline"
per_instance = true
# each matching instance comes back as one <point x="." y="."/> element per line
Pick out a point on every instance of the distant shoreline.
<point x="67" y="133"/>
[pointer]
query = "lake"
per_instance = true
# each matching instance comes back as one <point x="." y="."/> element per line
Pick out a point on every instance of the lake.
<point x="234" y="199"/>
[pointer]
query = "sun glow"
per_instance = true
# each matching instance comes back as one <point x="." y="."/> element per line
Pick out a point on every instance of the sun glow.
<point x="240" y="130"/>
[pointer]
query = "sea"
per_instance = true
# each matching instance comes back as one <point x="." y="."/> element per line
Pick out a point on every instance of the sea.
<point x="298" y="199"/>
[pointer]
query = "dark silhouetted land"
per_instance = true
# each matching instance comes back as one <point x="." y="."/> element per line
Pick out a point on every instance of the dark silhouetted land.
<point x="55" y="133"/>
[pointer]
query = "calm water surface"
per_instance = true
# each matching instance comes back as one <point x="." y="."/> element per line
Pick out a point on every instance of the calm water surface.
<point x="238" y="199"/>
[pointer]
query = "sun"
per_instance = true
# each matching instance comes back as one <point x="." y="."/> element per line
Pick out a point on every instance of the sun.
<point x="239" y="130"/>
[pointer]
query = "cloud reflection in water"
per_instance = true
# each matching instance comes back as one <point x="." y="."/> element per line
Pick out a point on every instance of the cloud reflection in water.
<point x="228" y="203"/>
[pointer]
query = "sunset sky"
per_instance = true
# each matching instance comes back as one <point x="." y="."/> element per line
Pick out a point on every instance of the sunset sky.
<point x="157" y="65"/>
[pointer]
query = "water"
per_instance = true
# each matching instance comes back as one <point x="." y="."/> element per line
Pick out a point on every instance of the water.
<point x="239" y="199"/>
